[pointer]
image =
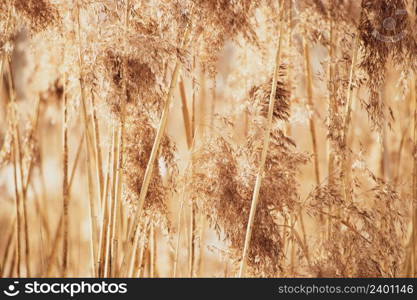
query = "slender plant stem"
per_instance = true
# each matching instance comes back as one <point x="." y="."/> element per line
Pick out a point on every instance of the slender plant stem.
<point x="313" y="133"/>
<point x="153" y="252"/>
<point x="104" y="218"/>
<point x="65" y="190"/>
<point x="348" y="116"/>
<point x="186" y="115"/>
<point x="266" y="140"/>
<point x="97" y="148"/>
<point x="110" y="229"/>
<point x="92" y="206"/>
<point x="54" y="247"/>
<point x="332" y="108"/>
<point x="8" y="247"/>
<point x="76" y="160"/>
<point x="24" y="200"/>
<point x="132" y="262"/>
<point x="157" y="142"/>
<point x="332" y="111"/>
<point x="15" y="170"/>
<point x="192" y="238"/>
<point x="414" y="187"/>
<point x="176" y="255"/>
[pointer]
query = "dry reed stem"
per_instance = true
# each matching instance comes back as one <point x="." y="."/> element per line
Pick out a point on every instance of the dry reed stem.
<point x="289" y="74"/>
<point x="132" y="261"/>
<point x="61" y="220"/>
<point x="192" y="239"/>
<point x="20" y="163"/>
<point x="77" y="158"/>
<point x="190" y="143"/>
<point x="213" y="105"/>
<point x="3" y="58"/>
<point x="193" y="135"/>
<point x="65" y="190"/>
<point x="143" y="259"/>
<point x="12" y="263"/>
<point x="332" y="112"/>
<point x="158" y="139"/>
<point x="105" y="216"/>
<point x="60" y="227"/>
<point x="332" y="106"/>
<point x="414" y="182"/>
<point x="266" y="139"/>
<point x="115" y="155"/>
<point x="349" y="95"/>
<point x="384" y="159"/>
<point x="202" y="234"/>
<point x="189" y="172"/>
<point x="348" y="113"/>
<point x="193" y="108"/>
<point x="15" y="170"/>
<point x="185" y="114"/>
<point x="153" y="252"/>
<point x="24" y="200"/>
<point x="202" y="100"/>
<point x="41" y="214"/>
<point x="34" y="127"/>
<point x="404" y="136"/>
<point x="25" y="183"/>
<point x="301" y="241"/>
<point x="177" y="247"/>
<point x="309" y="84"/>
<point x="8" y="247"/>
<point x="117" y="185"/>
<point x="142" y="255"/>
<point x="122" y="229"/>
<point x="119" y="173"/>
<point x="97" y="148"/>
<point x="409" y="260"/>
<point x="54" y="247"/>
<point x="92" y="208"/>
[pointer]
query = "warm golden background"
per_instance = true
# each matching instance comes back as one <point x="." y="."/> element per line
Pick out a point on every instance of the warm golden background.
<point x="132" y="135"/>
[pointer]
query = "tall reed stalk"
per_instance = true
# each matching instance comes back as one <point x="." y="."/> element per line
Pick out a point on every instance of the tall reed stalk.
<point x="157" y="142"/>
<point x="97" y="149"/>
<point x="104" y="232"/>
<point x="414" y="187"/>
<point x="332" y="106"/>
<point x="121" y="143"/>
<point x="15" y="157"/>
<point x="8" y="247"/>
<point x="86" y="119"/>
<point x="309" y="85"/>
<point x="65" y="190"/>
<point x="186" y="115"/>
<point x="266" y="140"/>
<point x="348" y="116"/>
